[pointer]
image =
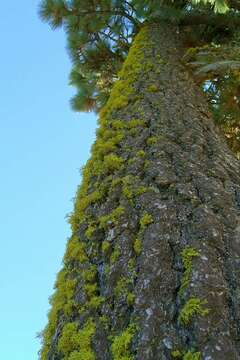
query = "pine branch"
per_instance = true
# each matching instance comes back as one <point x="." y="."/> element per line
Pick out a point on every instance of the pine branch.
<point x="218" y="20"/>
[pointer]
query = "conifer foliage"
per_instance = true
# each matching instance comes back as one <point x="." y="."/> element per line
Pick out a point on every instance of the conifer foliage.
<point x="100" y="33"/>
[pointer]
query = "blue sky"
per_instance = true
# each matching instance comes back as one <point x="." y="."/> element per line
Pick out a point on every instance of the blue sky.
<point x="43" y="144"/>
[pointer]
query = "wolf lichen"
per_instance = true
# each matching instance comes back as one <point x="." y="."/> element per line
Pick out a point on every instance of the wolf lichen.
<point x="75" y="343"/>
<point x="130" y="298"/>
<point x="176" y="354"/>
<point x="152" y="140"/>
<point x="145" y="220"/>
<point x="89" y="275"/>
<point x="115" y="255"/>
<point x="141" y="153"/>
<point x="135" y="123"/>
<point x="137" y="246"/>
<point x="121" y="287"/>
<point x="152" y="88"/>
<point x="113" y="217"/>
<point x="106" y="247"/>
<point x="193" y="307"/>
<point x="121" y="344"/>
<point x="187" y="257"/>
<point x="112" y="162"/>
<point x="75" y="251"/>
<point x="192" y="355"/>
<point x="90" y="230"/>
<point x="94" y="302"/>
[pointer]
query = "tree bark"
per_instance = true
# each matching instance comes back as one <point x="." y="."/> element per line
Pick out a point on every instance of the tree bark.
<point x="168" y="258"/>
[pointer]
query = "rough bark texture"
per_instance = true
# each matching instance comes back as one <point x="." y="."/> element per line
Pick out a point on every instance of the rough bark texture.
<point x="165" y="264"/>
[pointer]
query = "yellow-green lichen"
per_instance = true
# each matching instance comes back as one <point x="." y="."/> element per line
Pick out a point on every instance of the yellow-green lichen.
<point x="104" y="163"/>
<point x="132" y="264"/>
<point x="187" y="257"/>
<point x="90" y="230"/>
<point x="112" y="218"/>
<point x="94" y="302"/>
<point x="123" y="90"/>
<point x="145" y="220"/>
<point x="137" y="246"/>
<point x="122" y="287"/>
<point x="61" y="302"/>
<point x="104" y="320"/>
<point x="192" y="355"/>
<point x="187" y="355"/>
<point x="90" y="289"/>
<point x="141" y="153"/>
<point x="121" y="344"/>
<point x="75" y="343"/>
<point x="141" y="190"/>
<point x="75" y="251"/>
<point x="152" y="140"/>
<point x="89" y="275"/>
<point x="134" y="123"/>
<point x="130" y="299"/>
<point x="176" y="354"/>
<point x="115" y="255"/>
<point x="193" y="307"/>
<point x="112" y="162"/>
<point x="152" y="88"/>
<point x="106" y="247"/>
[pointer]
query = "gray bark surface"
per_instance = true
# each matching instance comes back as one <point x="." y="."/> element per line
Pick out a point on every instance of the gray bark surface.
<point x="193" y="197"/>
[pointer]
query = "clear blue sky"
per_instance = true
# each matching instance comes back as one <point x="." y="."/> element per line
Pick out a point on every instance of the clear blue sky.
<point x="43" y="144"/>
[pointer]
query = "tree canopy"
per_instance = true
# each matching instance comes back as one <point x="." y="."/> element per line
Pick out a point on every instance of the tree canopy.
<point x="100" y="33"/>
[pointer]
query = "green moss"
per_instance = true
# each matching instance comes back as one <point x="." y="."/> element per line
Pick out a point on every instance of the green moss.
<point x="193" y="307"/>
<point x="121" y="344"/>
<point x="76" y="344"/>
<point x="192" y="355"/>
<point x="113" y="217"/>
<point x="187" y="257"/>
<point x="137" y="246"/>
<point x="152" y="88"/>
<point x="152" y="140"/>
<point x="145" y="220"/>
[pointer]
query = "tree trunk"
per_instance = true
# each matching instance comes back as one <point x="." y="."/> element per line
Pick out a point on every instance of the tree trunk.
<point x="152" y="269"/>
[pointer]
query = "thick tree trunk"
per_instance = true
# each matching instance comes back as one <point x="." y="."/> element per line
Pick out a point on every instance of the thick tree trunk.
<point x="158" y="216"/>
